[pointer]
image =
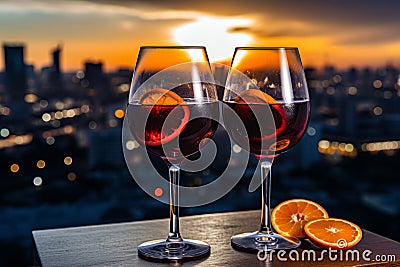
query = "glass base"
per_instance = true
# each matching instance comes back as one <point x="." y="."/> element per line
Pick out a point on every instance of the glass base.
<point x="162" y="250"/>
<point x="254" y="242"/>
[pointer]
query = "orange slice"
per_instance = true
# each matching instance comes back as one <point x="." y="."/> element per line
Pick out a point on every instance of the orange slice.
<point x="289" y="217"/>
<point x="255" y="96"/>
<point x="160" y="96"/>
<point x="333" y="233"/>
<point x="167" y="106"/>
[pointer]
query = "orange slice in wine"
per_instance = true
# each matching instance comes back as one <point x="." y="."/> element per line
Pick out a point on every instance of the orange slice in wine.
<point x="289" y="217"/>
<point x="160" y="96"/>
<point x="164" y="100"/>
<point x="255" y="96"/>
<point x="333" y="233"/>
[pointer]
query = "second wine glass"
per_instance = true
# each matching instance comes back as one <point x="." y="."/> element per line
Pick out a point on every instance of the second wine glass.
<point x="266" y="88"/>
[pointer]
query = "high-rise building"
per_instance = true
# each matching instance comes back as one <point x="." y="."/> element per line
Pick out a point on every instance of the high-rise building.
<point x="56" y="67"/>
<point x="98" y="86"/>
<point x="56" y="53"/>
<point x="55" y="85"/>
<point x="94" y="74"/>
<point x="15" y="71"/>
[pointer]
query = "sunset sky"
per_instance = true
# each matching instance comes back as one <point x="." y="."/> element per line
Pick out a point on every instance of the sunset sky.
<point x="338" y="32"/>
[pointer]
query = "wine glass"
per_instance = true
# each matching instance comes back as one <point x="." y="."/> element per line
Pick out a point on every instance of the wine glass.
<point x="171" y="102"/>
<point x="266" y="88"/>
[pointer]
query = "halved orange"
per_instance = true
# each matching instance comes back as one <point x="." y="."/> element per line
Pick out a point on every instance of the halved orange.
<point x="255" y="96"/>
<point x="167" y="106"/>
<point x="333" y="233"/>
<point x="289" y="217"/>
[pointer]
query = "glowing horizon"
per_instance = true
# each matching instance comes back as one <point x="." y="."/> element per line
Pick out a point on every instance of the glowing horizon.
<point x="113" y="31"/>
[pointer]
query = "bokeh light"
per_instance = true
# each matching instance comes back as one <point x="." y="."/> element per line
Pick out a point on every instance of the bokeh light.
<point x="4" y="132"/>
<point x="158" y="192"/>
<point x="119" y="113"/>
<point x="71" y="176"/>
<point x="131" y="144"/>
<point x="14" y="167"/>
<point x="37" y="181"/>
<point x="67" y="160"/>
<point x="41" y="164"/>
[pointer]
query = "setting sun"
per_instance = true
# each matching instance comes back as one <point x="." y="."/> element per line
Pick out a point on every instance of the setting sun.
<point x="213" y="33"/>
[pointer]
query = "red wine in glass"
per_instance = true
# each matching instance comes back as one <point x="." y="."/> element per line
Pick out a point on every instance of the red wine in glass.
<point x="172" y="103"/>
<point x="173" y="131"/>
<point x="288" y="127"/>
<point x="267" y="91"/>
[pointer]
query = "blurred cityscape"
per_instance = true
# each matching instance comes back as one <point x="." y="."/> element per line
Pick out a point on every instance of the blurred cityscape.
<point x="62" y="162"/>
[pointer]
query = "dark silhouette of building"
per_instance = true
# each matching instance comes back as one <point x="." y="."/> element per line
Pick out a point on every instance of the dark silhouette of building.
<point x="56" y="59"/>
<point x="55" y="79"/>
<point x="15" y="71"/>
<point x="95" y="76"/>
<point x="98" y="89"/>
<point x="51" y="76"/>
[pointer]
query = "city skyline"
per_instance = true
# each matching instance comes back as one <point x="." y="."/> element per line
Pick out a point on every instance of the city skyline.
<point x="60" y="48"/>
<point x="356" y="33"/>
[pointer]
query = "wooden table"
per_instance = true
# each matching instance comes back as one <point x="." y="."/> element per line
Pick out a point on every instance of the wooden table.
<point x="116" y="244"/>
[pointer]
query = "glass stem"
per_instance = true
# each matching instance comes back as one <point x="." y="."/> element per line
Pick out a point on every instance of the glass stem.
<point x="265" y="226"/>
<point x="174" y="175"/>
